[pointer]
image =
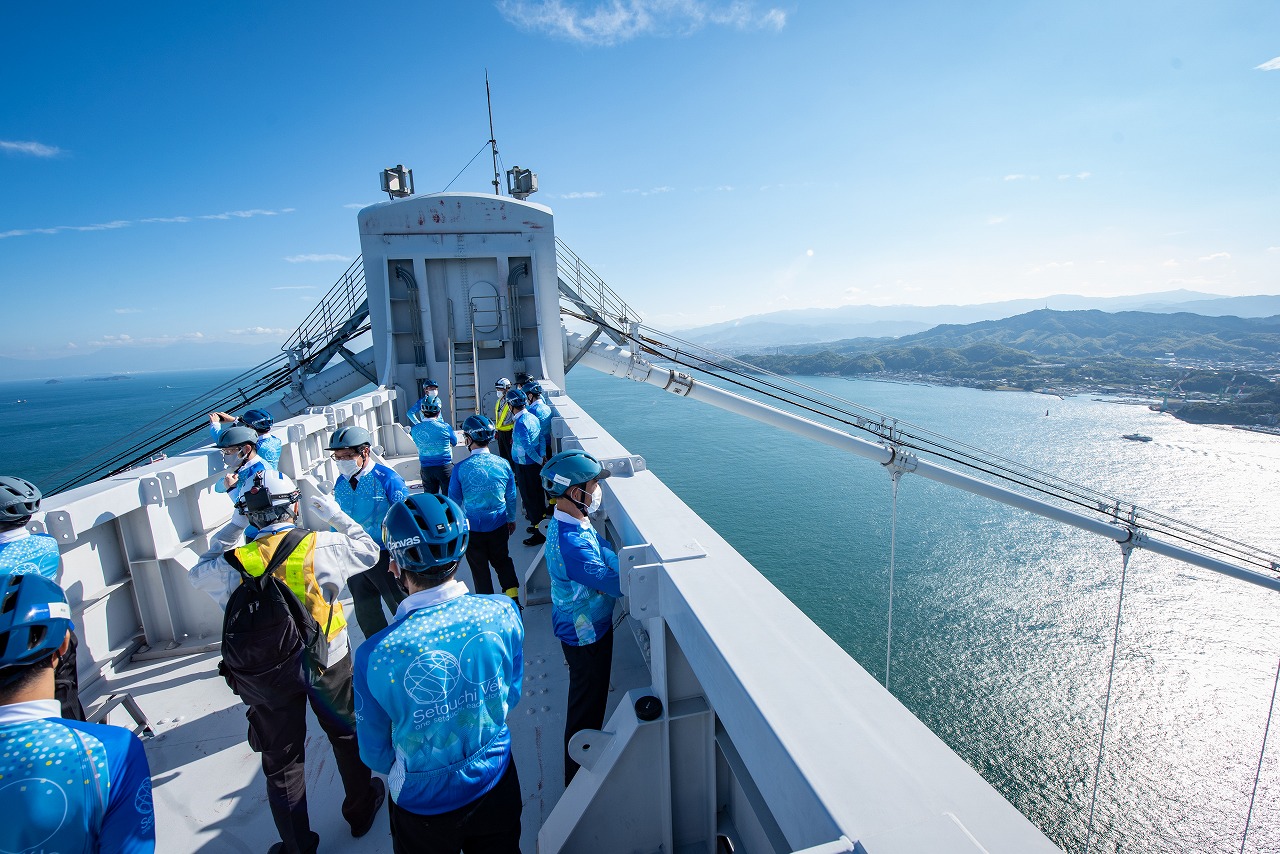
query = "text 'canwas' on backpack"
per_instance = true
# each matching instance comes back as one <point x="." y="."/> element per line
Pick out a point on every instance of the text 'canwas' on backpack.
<point x="272" y="647"/>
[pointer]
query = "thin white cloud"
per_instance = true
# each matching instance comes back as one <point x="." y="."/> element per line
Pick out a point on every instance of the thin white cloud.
<point x="995" y="220"/>
<point x="1269" y="65"/>
<point x="305" y="259"/>
<point x="1217" y="256"/>
<point x="591" y="194"/>
<point x="123" y="223"/>
<point x="32" y="149"/>
<point x="258" y="330"/>
<point x="294" y="288"/>
<point x="1078" y="176"/>
<point x="130" y="341"/>
<point x="128" y="311"/>
<point x="613" y="21"/>
<point x="724" y="188"/>
<point x="1273" y="248"/>
<point x="1015" y="177"/>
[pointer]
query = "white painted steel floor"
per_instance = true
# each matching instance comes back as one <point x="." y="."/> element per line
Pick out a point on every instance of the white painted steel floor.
<point x="210" y="795"/>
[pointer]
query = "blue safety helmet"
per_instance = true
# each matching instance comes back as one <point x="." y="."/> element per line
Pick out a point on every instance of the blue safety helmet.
<point x="258" y="419"/>
<point x="18" y="499"/>
<point x="431" y="384"/>
<point x="516" y="399"/>
<point x="349" y="437"/>
<point x="532" y="387"/>
<point x="479" y="428"/>
<point x="431" y="407"/>
<point x="570" y="468"/>
<point x="34" y="620"/>
<point x="237" y="435"/>
<point x="426" y="534"/>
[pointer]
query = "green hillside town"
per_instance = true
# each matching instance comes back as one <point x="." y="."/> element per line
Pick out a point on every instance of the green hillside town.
<point x="1208" y="370"/>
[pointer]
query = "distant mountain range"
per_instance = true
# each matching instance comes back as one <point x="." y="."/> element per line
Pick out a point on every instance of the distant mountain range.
<point x="809" y="326"/>
<point x="183" y="356"/>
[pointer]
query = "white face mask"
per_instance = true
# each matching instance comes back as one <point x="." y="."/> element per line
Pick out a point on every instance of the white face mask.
<point x="348" y="467"/>
<point x="597" y="496"/>
<point x="232" y="458"/>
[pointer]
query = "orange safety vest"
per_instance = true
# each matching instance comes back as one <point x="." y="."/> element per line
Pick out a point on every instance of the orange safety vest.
<point x="299" y="575"/>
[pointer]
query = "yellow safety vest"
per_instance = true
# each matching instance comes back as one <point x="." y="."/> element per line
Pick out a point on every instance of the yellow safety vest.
<point x="502" y="416"/>
<point x="299" y="576"/>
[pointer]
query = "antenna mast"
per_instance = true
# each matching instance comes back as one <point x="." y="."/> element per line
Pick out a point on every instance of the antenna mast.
<point x="493" y="142"/>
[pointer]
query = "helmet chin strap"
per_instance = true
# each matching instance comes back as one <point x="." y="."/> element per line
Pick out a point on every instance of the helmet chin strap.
<point x="582" y="508"/>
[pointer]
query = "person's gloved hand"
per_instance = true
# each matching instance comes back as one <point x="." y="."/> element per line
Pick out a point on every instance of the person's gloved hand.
<point x="326" y="508"/>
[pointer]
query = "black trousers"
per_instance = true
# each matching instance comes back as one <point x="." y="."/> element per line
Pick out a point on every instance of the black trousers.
<point x="279" y="733"/>
<point x="529" y="482"/>
<point x="489" y="548"/>
<point x="504" y="445"/>
<point x="369" y="589"/>
<point x="66" y="684"/>
<point x="435" y="479"/>
<point x="488" y="825"/>
<point x="588" y="691"/>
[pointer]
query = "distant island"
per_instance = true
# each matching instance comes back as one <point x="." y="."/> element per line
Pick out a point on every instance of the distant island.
<point x="108" y="379"/>
<point x="1207" y="370"/>
<point x="53" y="382"/>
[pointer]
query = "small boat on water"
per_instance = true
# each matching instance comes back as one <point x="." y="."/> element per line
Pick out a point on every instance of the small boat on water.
<point x="1136" y="437"/>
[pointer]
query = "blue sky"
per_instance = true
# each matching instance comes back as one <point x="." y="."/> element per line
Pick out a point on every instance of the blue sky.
<point x="192" y="172"/>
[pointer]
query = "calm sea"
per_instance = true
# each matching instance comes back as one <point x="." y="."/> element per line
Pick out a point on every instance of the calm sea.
<point x="1002" y="622"/>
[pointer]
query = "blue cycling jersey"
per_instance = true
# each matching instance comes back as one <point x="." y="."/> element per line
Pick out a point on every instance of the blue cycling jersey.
<point x="542" y="412"/>
<point x="486" y="488"/>
<point x="432" y="695"/>
<point x="584" y="580"/>
<point x="435" y="440"/>
<point x="68" y="786"/>
<point x="526" y="445"/>
<point x="30" y="553"/>
<point x="368" y="503"/>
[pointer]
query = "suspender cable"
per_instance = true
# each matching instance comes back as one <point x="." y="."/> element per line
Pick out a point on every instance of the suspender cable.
<point x="1258" y="773"/>
<point x="1111" y="673"/>
<point x="893" y="542"/>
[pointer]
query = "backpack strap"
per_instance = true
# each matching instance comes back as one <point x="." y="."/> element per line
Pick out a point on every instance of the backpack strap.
<point x="287" y="545"/>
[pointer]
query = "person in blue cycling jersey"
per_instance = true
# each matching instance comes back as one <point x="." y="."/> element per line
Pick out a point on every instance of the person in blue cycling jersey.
<point x="64" y="785"/>
<point x="485" y="486"/>
<point x="258" y="420"/>
<point x="239" y="447"/>
<point x="430" y="392"/>
<point x="365" y="491"/>
<point x="24" y="552"/>
<point x="435" y="440"/>
<point x="543" y="411"/>
<point x="584" y="588"/>
<point x="526" y="457"/>
<point x="434" y="691"/>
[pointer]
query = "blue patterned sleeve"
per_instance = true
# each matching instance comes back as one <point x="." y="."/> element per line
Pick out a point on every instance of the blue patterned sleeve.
<point x="373" y="726"/>
<point x="511" y="493"/>
<point x="586" y="562"/>
<point x="394" y="484"/>
<point x="129" y="825"/>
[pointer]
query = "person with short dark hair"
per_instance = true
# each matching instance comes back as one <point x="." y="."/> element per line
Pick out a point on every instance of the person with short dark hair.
<point x="67" y="785"/>
<point x="434" y="691"/>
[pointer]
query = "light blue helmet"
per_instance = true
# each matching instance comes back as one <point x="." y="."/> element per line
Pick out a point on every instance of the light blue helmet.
<point x="426" y="534"/>
<point x="516" y="399"/>
<point x="237" y="435"/>
<point x="431" y="408"/>
<point x="34" y="620"/>
<point x="532" y="387"/>
<point x="479" y="428"/>
<point x="349" y="437"/>
<point x="570" y="468"/>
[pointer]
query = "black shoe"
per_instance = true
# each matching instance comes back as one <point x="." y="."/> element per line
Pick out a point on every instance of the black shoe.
<point x="281" y="848"/>
<point x="379" y="795"/>
<point x="536" y="540"/>
<point x="532" y="529"/>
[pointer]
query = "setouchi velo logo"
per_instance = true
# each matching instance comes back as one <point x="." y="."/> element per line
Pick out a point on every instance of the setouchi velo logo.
<point x="431" y="677"/>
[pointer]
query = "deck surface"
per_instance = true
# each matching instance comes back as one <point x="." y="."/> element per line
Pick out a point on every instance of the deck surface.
<point x="210" y="795"/>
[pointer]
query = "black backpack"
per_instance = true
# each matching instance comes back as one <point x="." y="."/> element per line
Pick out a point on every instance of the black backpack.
<point x="272" y="648"/>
